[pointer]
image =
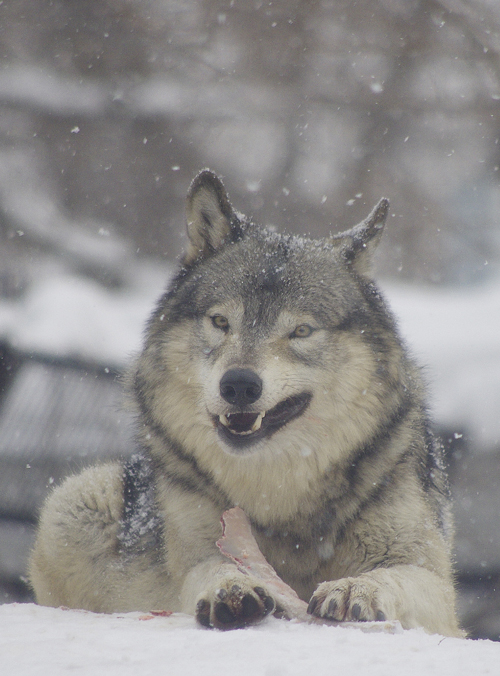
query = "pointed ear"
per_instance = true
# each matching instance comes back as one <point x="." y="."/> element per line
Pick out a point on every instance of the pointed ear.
<point x="359" y="243"/>
<point x="211" y="220"/>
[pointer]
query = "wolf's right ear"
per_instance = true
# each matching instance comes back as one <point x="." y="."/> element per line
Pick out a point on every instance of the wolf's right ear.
<point x="359" y="243"/>
<point x="211" y="220"/>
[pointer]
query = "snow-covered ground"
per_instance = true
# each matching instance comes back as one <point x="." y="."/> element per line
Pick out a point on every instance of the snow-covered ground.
<point x="36" y="640"/>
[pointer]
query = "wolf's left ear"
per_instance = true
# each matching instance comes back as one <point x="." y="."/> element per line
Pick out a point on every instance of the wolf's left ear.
<point x="211" y="220"/>
<point x="359" y="243"/>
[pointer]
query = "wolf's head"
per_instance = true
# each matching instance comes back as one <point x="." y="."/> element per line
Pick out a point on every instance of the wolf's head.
<point x="269" y="343"/>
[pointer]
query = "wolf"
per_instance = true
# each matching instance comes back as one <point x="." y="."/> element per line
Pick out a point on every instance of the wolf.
<point x="273" y="378"/>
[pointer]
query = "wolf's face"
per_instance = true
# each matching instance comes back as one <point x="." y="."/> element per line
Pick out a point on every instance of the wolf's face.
<point x="253" y="384"/>
<point x="264" y="337"/>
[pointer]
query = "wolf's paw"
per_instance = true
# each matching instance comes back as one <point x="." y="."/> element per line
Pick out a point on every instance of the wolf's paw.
<point x="351" y="598"/>
<point x="235" y="603"/>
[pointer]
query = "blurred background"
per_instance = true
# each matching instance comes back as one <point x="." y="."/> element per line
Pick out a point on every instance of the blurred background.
<point x="310" y="110"/>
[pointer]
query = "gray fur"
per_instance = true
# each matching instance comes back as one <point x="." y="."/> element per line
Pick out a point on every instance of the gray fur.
<point x="330" y="454"/>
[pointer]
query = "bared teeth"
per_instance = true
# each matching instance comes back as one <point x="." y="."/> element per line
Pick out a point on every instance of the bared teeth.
<point x="236" y="420"/>
<point x="258" y="422"/>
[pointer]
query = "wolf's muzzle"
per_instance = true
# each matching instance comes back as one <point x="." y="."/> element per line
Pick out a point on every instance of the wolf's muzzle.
<point x="243" y="429"/>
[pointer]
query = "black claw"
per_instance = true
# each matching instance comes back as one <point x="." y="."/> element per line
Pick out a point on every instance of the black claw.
<point x="204" y="620"/>
<point x="267" y="600"/>
<point x="203" y="612"/>
<point x="202" y="605"/>
<point x="249" y="607"/>
<point x="279" y="612"/>
<point x="269" y="605"/>
<point x="221" y="594"/>
<point x="312" y="605"/>
<point x="356" y="611"/>
<point x="381" y="616"/>
<point x="224" y="614"/>
<point x="332" y="608"/>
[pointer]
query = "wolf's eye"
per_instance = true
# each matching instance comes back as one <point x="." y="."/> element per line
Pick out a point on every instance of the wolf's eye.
<point x="220" y="322"/>
<point x="302" y="331"/>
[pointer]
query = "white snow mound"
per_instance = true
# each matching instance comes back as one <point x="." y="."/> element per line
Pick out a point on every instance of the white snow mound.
<point x="36" y="640"/>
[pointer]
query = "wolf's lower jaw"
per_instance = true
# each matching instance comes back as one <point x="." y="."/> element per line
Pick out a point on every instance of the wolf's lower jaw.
<point x="241" y="430"/>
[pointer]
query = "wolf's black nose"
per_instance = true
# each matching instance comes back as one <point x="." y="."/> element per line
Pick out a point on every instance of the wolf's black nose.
<point x="240" y="387"/>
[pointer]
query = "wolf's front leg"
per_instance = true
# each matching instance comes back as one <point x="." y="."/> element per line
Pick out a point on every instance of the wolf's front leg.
<point x="228" y="599"/>
<point x="415" y="596"/>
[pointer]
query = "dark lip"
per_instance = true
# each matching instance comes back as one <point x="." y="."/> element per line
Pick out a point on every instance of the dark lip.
<point x="275" y="418"/>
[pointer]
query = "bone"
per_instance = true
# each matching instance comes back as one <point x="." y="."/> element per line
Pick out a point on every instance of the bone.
<point x="239" y="545"/>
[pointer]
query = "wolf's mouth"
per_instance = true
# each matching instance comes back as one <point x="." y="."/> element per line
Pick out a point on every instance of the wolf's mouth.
<point x="245" y="428"/>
